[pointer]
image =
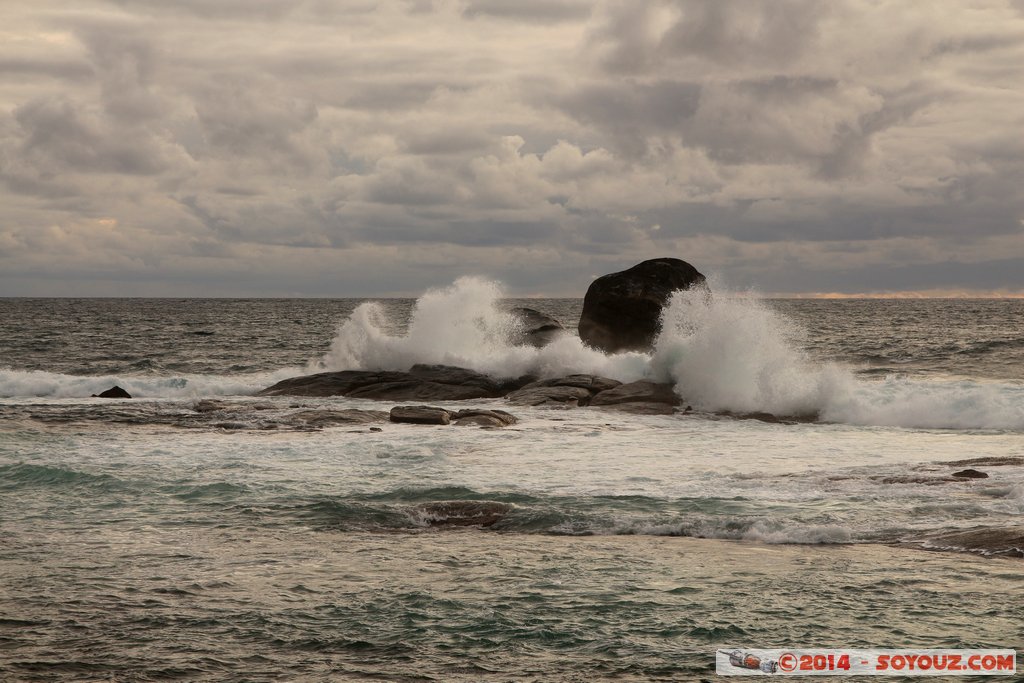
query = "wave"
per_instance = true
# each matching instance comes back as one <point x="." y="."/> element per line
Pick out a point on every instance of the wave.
<point x="726" y="352"/>
<point x="40" y="384"/>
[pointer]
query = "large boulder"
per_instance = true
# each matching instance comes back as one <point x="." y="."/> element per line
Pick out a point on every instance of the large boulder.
<point x="536" y="328"/>
<point x="622" y="311"/>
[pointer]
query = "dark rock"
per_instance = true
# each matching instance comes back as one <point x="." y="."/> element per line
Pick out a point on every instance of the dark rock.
<point x="421" y="382"/>
<point x="568" y="390"/>
<point x="461" y="512"/>
<point x="420" y="415"/>
<point x="622" y="311"/>
<point x="547" y="395"/>
<point x="537" y="329"/>
<point x="970" y="474"/>
<point x="592" y="383"/>
<point x="376" y="429"/>
<point x="483" y="418"/>
<point x="113" y="392"/>
<point x="642" y="391"/>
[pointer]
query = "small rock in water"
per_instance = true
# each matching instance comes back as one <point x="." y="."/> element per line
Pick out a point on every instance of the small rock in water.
<point x="420" y="415"/>
<point x="113" y="392"/>
<point x="970" y="474"/>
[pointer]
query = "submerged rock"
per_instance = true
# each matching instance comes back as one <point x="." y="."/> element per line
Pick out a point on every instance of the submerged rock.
<point x="113" y="392"/>
<point x="327" y="418"/>
<point x="482" y="513"/>
<point x="993" y="541"/>
<point x="622" y="311"/>
<point x="538" y="329"/>
<point x="989" y="461"/>
<point x="483" y="418"/>
<point x="970" y="474"/>
<point x="420" y="415"/>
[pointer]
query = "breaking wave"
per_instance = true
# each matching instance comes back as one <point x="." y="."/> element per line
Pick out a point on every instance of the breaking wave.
<point x="727" y="352"/>
<point x="722" y="352"/>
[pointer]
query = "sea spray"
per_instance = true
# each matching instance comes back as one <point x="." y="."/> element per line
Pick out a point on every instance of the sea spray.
<point x="731" y="352"/>
<point x="465" y="325"/>
<point x="723" y="352"/>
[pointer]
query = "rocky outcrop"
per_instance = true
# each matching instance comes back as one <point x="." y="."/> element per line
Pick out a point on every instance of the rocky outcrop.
<point x="113" y="392"/>
<point x="622" y="311"/>
<point x="537" y="329"/>
<point x="572" y="390"/>
<point x="639" y="392"/>
<point x="421" y="382"/>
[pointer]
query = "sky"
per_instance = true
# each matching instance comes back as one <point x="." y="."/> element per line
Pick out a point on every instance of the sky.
<point x="378" y="148"/>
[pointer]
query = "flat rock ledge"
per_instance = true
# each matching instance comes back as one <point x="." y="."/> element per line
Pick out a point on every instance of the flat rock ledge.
<point x="420" y="383"/>
<point x="447" y="383"/>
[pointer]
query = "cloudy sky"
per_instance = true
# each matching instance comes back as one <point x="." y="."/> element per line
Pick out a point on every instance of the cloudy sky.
<point x="375" y="147"/>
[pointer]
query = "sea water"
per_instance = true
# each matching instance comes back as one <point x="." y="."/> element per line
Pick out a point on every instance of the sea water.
<point x="143" y="540"/>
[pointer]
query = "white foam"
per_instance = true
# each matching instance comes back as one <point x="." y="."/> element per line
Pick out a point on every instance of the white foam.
<point x="731" y="352"/>
<point x="463" y="325"/>
<point x="17" y="383"/>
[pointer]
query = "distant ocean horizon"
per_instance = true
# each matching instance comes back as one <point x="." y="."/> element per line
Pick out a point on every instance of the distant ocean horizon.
<point x="201" y="532"/>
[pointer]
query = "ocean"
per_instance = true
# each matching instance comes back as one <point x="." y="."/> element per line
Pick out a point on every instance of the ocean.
<point x="148" y="540"/>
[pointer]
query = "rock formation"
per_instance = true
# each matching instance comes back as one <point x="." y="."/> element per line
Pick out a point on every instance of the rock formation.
<point x="622" y="311"/>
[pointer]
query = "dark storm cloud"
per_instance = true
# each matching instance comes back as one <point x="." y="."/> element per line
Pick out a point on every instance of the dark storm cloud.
<point x="776" y="143"/>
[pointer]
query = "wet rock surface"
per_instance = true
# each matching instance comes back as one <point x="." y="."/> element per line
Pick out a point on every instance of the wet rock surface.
<point x="990" y="541"/>
<point x="420" y="415"/>
<point x="642" y="391"/>
<point x="537" y="329"/>
<point x="421" y="382"/>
